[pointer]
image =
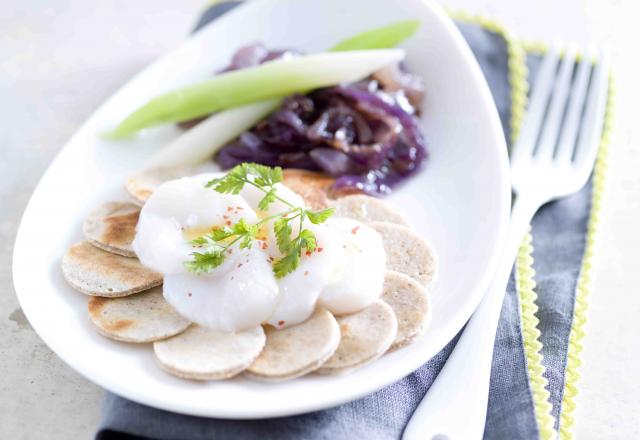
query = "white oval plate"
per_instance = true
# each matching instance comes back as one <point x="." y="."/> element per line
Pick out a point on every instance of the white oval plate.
<point x="460" y="202"/>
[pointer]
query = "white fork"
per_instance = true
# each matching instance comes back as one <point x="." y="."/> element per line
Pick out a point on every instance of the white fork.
<point x="552" y="158"/>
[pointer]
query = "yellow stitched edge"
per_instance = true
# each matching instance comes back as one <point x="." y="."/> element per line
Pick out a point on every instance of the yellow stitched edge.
<point x="585" y="279"/>
<point x="517" y="66"/>
<point x="525" y="283"/>
<point x="584" y="285"/>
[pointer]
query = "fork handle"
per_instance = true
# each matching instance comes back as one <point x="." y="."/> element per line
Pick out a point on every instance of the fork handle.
<point x="455" y="406"/>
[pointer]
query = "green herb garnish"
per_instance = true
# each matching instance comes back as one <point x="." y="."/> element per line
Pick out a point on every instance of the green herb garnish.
<point x="216" y="244"/>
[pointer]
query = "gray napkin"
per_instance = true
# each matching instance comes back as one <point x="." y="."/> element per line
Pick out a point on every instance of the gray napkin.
<point x="559" y="232"/>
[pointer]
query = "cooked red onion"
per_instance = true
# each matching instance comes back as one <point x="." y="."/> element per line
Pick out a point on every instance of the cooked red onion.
<point x="365" y="134"/>
<point x="396" y="78"/>
<point x="357" y="134"/>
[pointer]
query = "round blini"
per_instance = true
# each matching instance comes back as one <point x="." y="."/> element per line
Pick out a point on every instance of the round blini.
<point x="112" y="227"/>
<point x="367" y="209"/>
<point x="364" y="337"/>
<point x="144" y="317"/>
<point x="140" y="186"/>
<point x="410" y="303"/>
<point x="312" y="187"/>
<point x="99" y="273"/>
<point x="297" y="350"/>
<point x="407" y="252"/>
<point x="200" y="353"/>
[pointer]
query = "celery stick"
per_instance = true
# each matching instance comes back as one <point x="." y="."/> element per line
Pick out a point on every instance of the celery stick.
<point x="200" y="142"/>
<point x="270" y="80"/>
<point x="380" y="38"/>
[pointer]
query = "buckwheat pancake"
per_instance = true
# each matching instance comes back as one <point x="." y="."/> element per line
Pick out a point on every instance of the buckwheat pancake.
<point x="100" y="273"/>
<point x="407" y="252"/>
<point x="128" y="305"/>
<point x="367" y="209"/>
<point x="313" y="187"/>
<point x="297" y="350"/>
<point x="410" y="303"/>
<point x="112" y="227"/>
<point x="140" y="186"/>
<point x="364" y="337"/>
<point x="200" y="353"/>
<point x="143" y="317"/>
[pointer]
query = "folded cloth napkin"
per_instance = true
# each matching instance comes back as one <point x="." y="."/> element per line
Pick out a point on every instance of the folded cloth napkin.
<point x="529" y="397"/>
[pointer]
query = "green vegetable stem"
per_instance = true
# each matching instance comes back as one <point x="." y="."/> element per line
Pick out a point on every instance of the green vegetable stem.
<point x="348" y="61"/>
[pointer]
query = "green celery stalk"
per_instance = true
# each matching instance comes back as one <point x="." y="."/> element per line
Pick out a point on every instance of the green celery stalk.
<point x="202" y="141"/>
<point x="380" y="38"/>
<point x="264" y="82"/>
<point x="270" y="80"/>
<point x="199" y="143"/>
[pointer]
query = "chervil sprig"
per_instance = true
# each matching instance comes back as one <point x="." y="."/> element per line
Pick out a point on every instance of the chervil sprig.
<point x="262" y="177"/>
<point x="204" y="262"/>
<point x="217" y="243"/>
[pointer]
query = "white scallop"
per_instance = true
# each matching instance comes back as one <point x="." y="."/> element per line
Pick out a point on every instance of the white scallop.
<point x="253" y="195"/>
<point x="299" y="291"/>
<point x="175" y="207"/>
<point x="345" y="274"/>
<point x="236" y="296"/>
<point x="361" y="276"/>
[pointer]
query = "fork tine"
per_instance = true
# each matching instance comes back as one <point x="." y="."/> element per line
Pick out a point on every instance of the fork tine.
<point x="593" y="119"/>
<point x="537" y="104"/>
<point x="552" y="122"/>
<point x="569" y="132"/>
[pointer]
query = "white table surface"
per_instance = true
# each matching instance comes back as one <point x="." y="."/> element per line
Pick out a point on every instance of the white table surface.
<point x="61" y="58"/>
